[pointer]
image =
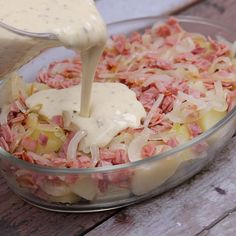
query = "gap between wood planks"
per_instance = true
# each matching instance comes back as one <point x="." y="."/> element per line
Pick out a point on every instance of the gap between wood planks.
<point x="207" y="228"/>
<point x="99" y="223"/>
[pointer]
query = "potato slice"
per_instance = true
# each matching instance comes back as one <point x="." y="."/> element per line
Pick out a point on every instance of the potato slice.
<point x="85" y="187"/>
<point x="146" y="179"/>
<point x="112" y="193"/>
<point x="182" y="132"/>
<point x="55" y="190"/>
<point x="68" y="198"/>
<point x="210" y="118"/>
<point x="53" y="145"/>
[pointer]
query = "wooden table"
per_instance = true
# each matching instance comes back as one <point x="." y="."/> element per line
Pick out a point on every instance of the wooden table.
<point x="205" y="205"/>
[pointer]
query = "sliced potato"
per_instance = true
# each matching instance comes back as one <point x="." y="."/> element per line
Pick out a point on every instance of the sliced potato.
<point x="53" y="145"/>
<point x="210" y="118"/>
<point x="146" y="179"/>
<point x="55" y="190"/>
<point x="182" y="131"/>
<point x="113" y="192"/>
<point x="69" y="198"/>
<point x="55" y="134"/>
<point x="85" y="187"/>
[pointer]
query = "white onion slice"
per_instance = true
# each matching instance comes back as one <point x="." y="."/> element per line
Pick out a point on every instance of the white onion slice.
<point x="21" y="107"/>
<point x="4" y="114"/>
<point x="73" y="145"/>
<point x="158" y="78"/>
<point x="151" y="113"/>
<point x="135" y="147"/>
<point x="95" y="154"/>
<point x="200" y="103"/>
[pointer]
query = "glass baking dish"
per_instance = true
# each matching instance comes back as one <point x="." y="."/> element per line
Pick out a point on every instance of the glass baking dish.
<point x="105" y="188"/>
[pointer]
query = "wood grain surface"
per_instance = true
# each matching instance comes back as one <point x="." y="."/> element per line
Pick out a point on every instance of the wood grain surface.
<point x="205" y="205"/>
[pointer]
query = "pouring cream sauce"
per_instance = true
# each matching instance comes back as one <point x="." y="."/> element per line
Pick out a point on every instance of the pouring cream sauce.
<point x="77" y="25"/>
<point x="114" y="108"/>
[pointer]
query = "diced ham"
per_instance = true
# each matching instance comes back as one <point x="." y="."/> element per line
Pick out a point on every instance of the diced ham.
<point x="148" y="97"/>
<point x="62" y="74"/>
<point x="43" y="139"/>
<point x="194" y="129"/>
<point x="135" y="37"/>
<point x="3" y="144"/>
<point x="167" y="104"/>
<point x="19" y="118"/>
<point x="163" y="31"/>
<point x="6" y="133"/>
<point x="176" y="28"/>
<point x="58" y="120"/>
<point x="29" y="144"/>
<point x="220" y="48"/>
<point x="173" y="142"/>
<point x="114" y="157"/>
<point x="148" y="150"/>
<point x="84" y="162"/>
<point x="120" y="43"/>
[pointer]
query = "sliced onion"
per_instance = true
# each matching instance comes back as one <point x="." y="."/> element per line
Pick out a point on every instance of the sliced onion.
<point x="4" y="114"/>
<point x="118" y="146"/>
<point x="220" y="63"/>
<point x="20" y="106"/>
<point x="121" y="141"/>
<point x="219" y="102"/>
<point x="158" y="78"/>
<point x="185" y="46"/>
<point x="233" y="48"/>
<point x="219" y="89"/>
<point x="151" y="113"/>
<point x="135" y="147"/>
<point x="95" y="154"/>
<point x="175" y="115"/>
<point x="190" y="67"/>
<point x="66" y="119"/>
<point x="223" y="40"/>
<point x="200" y="103"/>
<point x="73" y="145"/>
<point x="48" y="127"/>
<point x="39" y="159"/>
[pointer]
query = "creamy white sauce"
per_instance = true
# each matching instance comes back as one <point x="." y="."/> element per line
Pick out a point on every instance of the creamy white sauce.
<point x="76" y="23"/>
<point x="114" y="108"/>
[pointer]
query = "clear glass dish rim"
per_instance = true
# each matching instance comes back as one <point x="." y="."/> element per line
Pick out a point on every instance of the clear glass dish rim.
<point x="52" y="170"/>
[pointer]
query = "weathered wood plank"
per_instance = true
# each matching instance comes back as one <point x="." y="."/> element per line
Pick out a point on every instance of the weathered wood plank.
<point x="225" y="227"/>
<point x="21" y="219"/>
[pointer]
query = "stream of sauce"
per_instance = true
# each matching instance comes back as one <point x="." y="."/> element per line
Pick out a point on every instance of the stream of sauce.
<point x="114" y="108"/>
<point x="77" y="25"/>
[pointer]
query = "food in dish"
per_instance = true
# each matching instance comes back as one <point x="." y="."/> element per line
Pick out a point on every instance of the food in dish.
<point x="184" y="81"/>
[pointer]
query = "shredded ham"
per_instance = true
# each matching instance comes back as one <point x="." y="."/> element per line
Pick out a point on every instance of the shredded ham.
<point x="58" y="120"/>
<point x="148" y="150"/>
<point x="43" y="139"/>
